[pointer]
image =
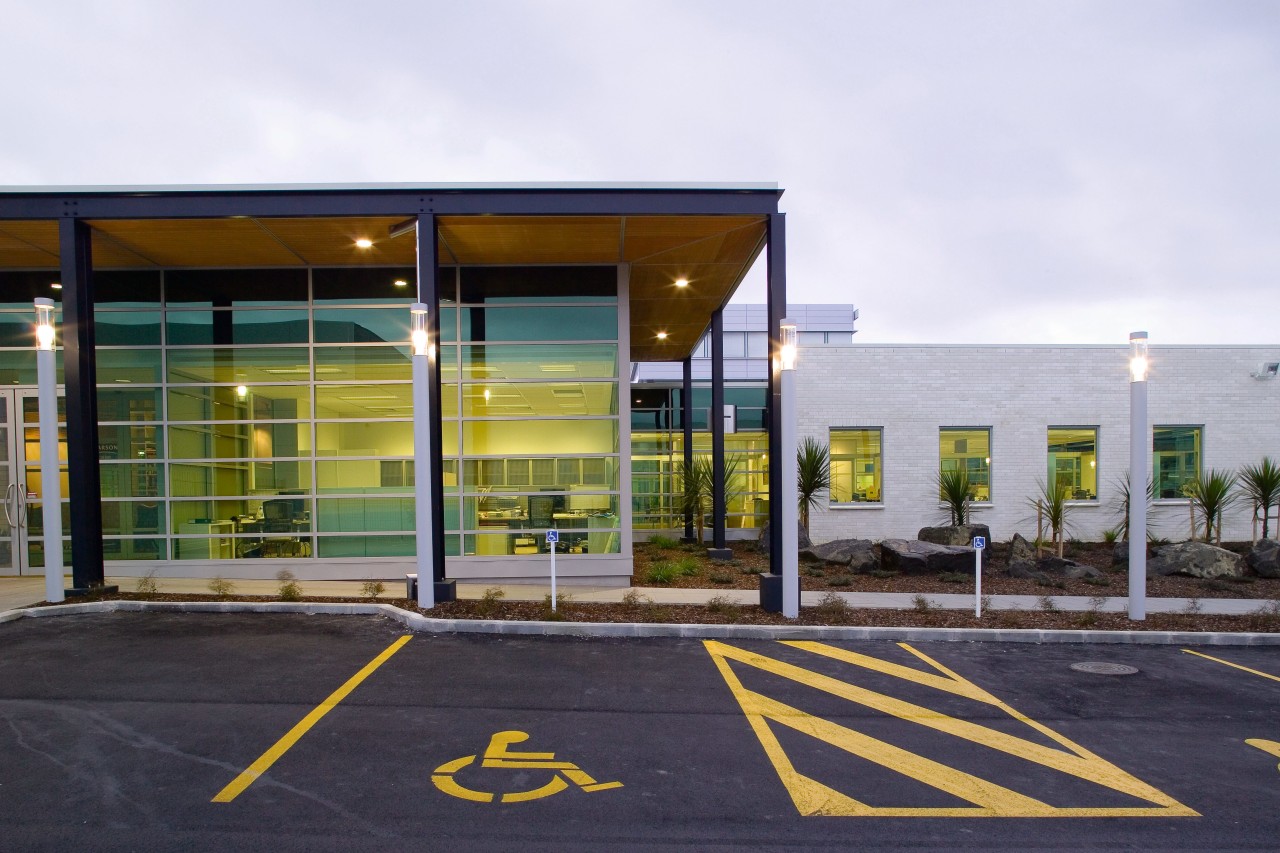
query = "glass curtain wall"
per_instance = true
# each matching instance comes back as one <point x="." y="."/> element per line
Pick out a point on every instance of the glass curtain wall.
<point x="268" y="413"/>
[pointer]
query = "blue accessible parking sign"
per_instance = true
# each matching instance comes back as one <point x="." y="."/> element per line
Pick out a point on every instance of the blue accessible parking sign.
<point x="553" y="535"/>
<point x="979" y="542"/>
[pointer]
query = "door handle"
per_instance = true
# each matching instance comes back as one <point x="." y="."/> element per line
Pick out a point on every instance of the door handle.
<point x="8" y="509"/>
<point x="21" y="494"/>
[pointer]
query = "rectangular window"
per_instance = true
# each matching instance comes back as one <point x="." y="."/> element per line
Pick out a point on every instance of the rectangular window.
<point x="855" y="465"/>
<point x="1073" y="461"/>
<point x="968" y="449"/>
<point x="1176" y="458"/>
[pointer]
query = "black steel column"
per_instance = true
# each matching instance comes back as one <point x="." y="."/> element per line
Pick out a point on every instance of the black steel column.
<point x="716" y="417"/>
<point x="429" y="293"/>
<point x="771" y="584"/>
<point x="686" y="424"/>
<point x="80" y="370"/>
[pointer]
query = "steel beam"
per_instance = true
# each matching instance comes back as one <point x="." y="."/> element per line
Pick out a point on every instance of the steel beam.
<point x="716" y="417"/>
<point x="686" y="424"/>
<point x="777" y="310"/>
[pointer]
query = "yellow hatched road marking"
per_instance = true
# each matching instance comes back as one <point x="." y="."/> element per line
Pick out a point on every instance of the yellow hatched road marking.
<point x="1229" y="663"/>
<point x="990" y="799"/>
<point x="268" y="758"/>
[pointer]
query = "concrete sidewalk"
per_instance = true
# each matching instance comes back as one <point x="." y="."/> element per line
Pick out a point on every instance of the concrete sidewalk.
<point x="22" y="592"/>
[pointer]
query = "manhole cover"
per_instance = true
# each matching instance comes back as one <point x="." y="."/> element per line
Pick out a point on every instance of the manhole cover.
<point x="1100" y="668"/>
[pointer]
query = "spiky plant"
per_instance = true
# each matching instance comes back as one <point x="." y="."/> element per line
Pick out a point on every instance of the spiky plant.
<point x="953" y="490"/>
<point x="697" y="485"/>
<point x="1261" y="485"/>
<point x="1051" y="504"/>
<point x="813" y="474"/>
<point x="1211" y="494"/>
<point x="1121" y="505"/>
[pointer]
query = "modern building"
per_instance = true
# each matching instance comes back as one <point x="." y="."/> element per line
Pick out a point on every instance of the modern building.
<point x="238" y="371"/>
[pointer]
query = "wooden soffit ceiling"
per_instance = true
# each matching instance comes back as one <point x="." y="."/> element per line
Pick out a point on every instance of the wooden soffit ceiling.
<point x="712" y="253"/>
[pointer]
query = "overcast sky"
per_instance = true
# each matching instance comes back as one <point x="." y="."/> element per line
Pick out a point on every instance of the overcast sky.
<point x="1004" y="172"/>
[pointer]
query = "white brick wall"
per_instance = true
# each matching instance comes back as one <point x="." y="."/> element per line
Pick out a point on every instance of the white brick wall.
<point x="1019" y="391"/>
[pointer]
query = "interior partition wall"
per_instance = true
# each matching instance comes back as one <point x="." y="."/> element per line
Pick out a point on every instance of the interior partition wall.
<point x="256" y="417"/>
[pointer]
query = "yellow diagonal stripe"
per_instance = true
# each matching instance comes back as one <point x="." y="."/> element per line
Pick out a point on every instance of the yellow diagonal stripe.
<point x="1229" y="663"/>
<point x="991" y="799"/>
<point x="268" y="758"/>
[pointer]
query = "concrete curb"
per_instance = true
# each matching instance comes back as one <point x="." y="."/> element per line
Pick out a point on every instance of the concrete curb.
<point x="426" y="624"/>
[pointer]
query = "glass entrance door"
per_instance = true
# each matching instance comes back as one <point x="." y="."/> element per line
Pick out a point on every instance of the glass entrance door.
<point x="22" y="543"/>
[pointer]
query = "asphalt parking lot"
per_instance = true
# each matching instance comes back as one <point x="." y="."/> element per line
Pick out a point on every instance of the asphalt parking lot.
<point x="290" y="732"/>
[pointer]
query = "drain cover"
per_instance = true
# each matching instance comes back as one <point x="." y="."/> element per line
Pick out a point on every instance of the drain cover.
<point x="1100" y="668"/>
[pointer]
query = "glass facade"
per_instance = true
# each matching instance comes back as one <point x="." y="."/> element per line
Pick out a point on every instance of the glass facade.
<point x="856" y="465"/>
<point x="1175" y="459"/>
<point x="1073" y="461"/>
<point x="268" y="413"/>
<point x="968" y="449"/>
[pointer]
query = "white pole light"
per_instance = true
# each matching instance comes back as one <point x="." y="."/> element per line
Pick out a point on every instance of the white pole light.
<point x="51" y="499"/>
<point x="1138" y="476"/>
<point x="790" y="515"/>
<point x="421" y="348"/>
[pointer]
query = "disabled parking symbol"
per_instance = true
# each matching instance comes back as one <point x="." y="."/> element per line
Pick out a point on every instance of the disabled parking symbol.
<point x="498" y="756"/>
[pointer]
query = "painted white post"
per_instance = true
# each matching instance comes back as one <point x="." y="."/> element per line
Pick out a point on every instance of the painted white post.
<point x="422" y="415"/>
<point x="1138" y="462"/>
<point x="51" y="497"/>
<point x="790" y="515"/>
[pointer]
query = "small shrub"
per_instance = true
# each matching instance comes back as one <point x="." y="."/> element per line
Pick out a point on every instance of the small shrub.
<point x="1215" y="585"/>
<point x="1111" y="536"/>
<point x="986" y="601"/>
<point x="881" y="574"/>
<point x="372" y="589"/>
<point x="1087" y="619"/>
<point x="147" y="583"/>
<point x="721" y="579"/>
<point x="221" y="587"/>
<point x="1054" y="583"/>
<point x="490" y="601"/>
<point x="1046" y="604"/>
<point x="634" y="599"/>
<point x="663" y="543"/>
<point x="722" y="604"/>
<point x="557" y="615"/>
<point x="289" y="589"/>
<point x="840" y="580"/>
<point x="1194" y="607"/>
<point x="688" y="566"/>
<point x="812" y="572"/>
<point x="833" y="608"/>
<point x="747" y="570"/>
<point x="661" y="573"/>
<point x="921" y="603"/>
<point x="953" y="577"/>
<point x="1097" y="603"/>
<point x="1265" y="618"/>
<point x="691" y="547"/>
<point x="1098" y="581"/>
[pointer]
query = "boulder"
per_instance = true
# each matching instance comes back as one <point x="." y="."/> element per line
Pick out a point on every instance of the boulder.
<point x="959" y="535"/>
<point x="1027" y="569"/>
<point x="1120" y="553"/>
<point x="1195" y="559"/>
<point x="1264" y="559"/>
<point x="762" y="539"/>
<point x="858" y="554"/>
<point x="911" y="556"/>
<point x="1020" y="550"/>
<point x="1064" y="568"/>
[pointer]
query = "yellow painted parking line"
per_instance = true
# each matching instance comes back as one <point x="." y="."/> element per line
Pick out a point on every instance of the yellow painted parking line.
<point x="268" y="758"/>
<point x="1229" y="663"/>
<point x="989" y="798"/>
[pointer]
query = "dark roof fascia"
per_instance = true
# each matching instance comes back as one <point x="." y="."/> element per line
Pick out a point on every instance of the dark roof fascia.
<point x="265" y="201"/>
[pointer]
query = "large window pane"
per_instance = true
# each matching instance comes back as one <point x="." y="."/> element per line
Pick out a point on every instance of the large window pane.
<point x="368" y="401"/>
<point x="234" y="479"/>
<point x="368" y="285"/>
<point x="544" y="438"/>
<point x="362" y="325"/>
<point x="239" y="441"/>
<point x="126" y="328"/>
<point x="230" y="288"/>
<point x="245" y="365"/>
<point x="365" y="476"/>
<point x="127" y="403"/>
<point x="374" y="546"/>
<point x="539" y="399"/>
<point x="193" y="328"/>
<point x="131" y="481"/>
<point x="540" y="361"/>
<point x="493" y="285"/>
<point x="356" y="364"/>
<point x="126" y="518"/>
<point x="969" y="450"/>
<point x="377" y="439"/>
<point x="560" y="323"/>
<point x="361" y="515"/>
<point x="1073" y="462"/>
<point x="856" y="465"/>
<point x="127" y="441"/>
<point x="240" y="403"/>
<point x="1176" y="459"/>
<point x="125" y="366"/>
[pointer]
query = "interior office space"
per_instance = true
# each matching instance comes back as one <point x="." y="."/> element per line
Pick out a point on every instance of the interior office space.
<point x="238" y="381"/>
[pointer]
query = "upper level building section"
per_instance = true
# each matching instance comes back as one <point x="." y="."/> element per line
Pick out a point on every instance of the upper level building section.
<point x="746" y="343"/>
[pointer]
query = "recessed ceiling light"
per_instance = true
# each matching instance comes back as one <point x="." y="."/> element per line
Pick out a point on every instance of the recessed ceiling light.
<point x="662" y="336"/>
<point x="682" y="282"/>
<point x="401" y="283"/>
<point x="56" y="285"/>
<point x="364" y="243"/>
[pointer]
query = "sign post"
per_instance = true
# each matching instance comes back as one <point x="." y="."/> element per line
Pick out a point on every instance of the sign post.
<point x="553" y="536"/>
<point x="979" y="543"/>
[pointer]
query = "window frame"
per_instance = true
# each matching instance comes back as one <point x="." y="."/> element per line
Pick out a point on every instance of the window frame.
<point x="878" y="473"/>
<point x="990" y="431"/>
